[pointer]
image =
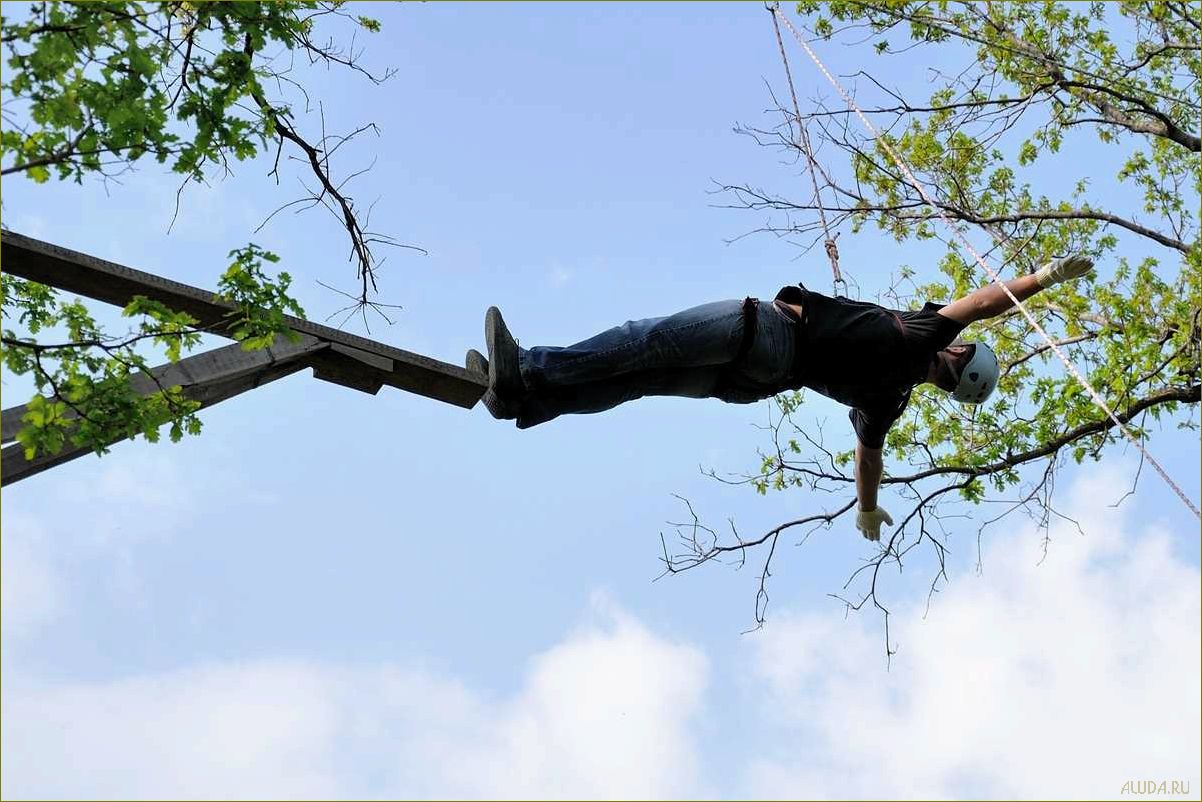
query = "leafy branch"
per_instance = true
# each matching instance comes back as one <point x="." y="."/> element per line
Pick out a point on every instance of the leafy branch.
<point x="84" y="392"/>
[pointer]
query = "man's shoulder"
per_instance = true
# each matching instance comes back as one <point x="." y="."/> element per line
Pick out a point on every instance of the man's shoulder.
<point x="929" y="322"/>
<point x="929" y="308"/>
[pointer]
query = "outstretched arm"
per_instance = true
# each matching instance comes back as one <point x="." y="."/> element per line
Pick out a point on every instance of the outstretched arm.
<point x="991" y="300"/>
<point x="869" y="467"/>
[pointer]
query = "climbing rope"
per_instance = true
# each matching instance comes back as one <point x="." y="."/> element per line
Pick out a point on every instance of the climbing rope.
<point x="1097" y="398"/>
<point x="832" y="250"/>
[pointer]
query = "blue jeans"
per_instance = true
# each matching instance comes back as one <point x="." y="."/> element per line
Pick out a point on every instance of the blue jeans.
<point x="687" y="354"/>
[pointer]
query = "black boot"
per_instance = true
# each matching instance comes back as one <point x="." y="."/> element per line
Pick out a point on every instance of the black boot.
<point x="505" y="385"/>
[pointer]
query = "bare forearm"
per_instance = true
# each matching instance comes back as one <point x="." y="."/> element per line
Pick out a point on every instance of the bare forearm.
<point x="869" y="467"/>
<point x="991" y="300"/>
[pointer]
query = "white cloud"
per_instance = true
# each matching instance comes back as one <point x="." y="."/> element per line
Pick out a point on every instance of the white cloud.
<point x="253" y="730"/>
<point x="559" y="276"/>
<point x="605" y="713"/>
<point x="30" y="588"/>
<point x="86" y="520"/>
<point x="134" y="476"/>
<point x="145" y="474"/>
<point x="1058" y="680"/>
<point x="1064" y="679"/>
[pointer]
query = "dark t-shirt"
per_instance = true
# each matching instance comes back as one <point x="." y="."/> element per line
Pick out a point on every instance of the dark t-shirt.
<point x="866" y="356"/>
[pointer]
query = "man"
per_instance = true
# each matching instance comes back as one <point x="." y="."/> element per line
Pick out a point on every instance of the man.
<point x="859" y="354"/>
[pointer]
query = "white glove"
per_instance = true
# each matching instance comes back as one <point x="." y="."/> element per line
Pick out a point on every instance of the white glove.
<point x="1063" y="269"/>
<point x="869" y="522"/>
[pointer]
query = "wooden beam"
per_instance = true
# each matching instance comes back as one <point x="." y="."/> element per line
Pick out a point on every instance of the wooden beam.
<point x="197" y="370"/>
<point x="101" y="280"/>
<point x="208" y="378"/>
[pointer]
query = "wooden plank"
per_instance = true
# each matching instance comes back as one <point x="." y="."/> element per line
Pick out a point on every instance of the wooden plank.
<point x="220" y="364"/>
<point x="101" y="280"/>
<point x="209" y="378"/>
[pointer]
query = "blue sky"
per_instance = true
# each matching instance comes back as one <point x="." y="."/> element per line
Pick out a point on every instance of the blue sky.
<point x="333" y="594"/>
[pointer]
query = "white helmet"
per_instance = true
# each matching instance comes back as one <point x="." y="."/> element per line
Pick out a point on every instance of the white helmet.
<point x="979" y="377"/>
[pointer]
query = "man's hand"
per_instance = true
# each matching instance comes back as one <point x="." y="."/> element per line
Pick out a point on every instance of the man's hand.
<point x="1065" y="269"/>
<point x="869" y="522"/>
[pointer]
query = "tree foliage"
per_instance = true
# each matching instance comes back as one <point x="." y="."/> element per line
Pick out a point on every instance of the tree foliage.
<point x="84" y="395"/>
<point x="92" y="89"/>
<point x="1033" y="86"/>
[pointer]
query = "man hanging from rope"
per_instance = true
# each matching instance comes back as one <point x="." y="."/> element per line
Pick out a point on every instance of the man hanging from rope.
<point x="860" y="354"/>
